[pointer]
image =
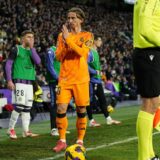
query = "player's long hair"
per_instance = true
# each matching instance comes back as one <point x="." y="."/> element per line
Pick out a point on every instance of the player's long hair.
<point x="79" y="12"/>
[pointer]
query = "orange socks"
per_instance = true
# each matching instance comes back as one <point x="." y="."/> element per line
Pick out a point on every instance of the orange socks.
<point x="62" y="125"/>
<point x="81" y="125"/>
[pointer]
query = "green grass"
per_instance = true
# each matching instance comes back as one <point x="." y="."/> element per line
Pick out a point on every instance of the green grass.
<point x="102" y="137"/>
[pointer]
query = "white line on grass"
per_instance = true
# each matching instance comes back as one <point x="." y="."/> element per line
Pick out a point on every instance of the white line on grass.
<point x="98" y="147"/>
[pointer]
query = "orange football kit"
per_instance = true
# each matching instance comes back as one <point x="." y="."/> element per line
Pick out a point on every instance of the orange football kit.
<point x="74" y="74"/>
<point x="74" y="77"/>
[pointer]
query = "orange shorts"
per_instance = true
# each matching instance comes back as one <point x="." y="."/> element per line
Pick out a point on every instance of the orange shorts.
<point x="80" y="93"/>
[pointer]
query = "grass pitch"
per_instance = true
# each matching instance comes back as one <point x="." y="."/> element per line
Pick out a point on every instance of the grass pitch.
<point x="103" y="143"/>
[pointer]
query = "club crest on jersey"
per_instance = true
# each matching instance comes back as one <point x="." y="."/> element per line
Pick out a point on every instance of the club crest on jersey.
<point x="81" y="39"/>
<point x="89" y="43"/>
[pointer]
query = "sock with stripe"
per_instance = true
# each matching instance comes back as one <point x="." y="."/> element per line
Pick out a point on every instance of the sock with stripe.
<point x="62" y="125"/>
<point x="81" y="125"/>
<point x="144" y="128"/>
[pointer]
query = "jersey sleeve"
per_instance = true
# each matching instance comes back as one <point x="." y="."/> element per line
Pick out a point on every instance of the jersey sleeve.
<point x="90" y="57"/>
<point x="84" y="49"/>
<point x="60" y="48"/>
<point x="35" y="57"/>
<point x="49" y="59"/>
<point x="149" y="24"/>
<point x="92" y="71"/>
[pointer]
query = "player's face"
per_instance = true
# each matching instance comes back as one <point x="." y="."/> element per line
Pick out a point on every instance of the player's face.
<point x="28" y="39"/>
<point x="73" y="21"/>
<point x="98" y="42"/>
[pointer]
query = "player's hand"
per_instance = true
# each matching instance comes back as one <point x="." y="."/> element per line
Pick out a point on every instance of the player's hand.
<point x="65" y="32"/>
<point x="30" y="43"/>
<point x="99" y="72"/>
<point x="10" y="85"/>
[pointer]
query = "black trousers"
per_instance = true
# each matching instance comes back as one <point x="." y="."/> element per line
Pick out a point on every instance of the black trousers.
<point x="97" y="91"/>
<point x="53" y="105"/>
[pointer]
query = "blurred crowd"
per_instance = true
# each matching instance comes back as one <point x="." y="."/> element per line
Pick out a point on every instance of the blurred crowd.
<point x="45" y="18"/>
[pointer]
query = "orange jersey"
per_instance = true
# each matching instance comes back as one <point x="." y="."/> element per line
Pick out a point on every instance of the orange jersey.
<point x="73" y="55"/>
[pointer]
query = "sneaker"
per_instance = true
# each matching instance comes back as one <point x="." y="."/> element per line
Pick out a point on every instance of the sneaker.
<point x="93" y="123"/>
<point x="54" y="132"/>
<point x="111" y="121"/>
<point x="80" y="142"/>
<point x="60" y="146"/>
<point x="29" y="134"/>
<point x="12" y="134"/>
<point x="155" y="158"/>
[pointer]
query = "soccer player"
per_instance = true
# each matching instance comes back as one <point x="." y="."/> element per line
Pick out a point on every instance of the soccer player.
<point x="20" y="72"/>
<point x="72" y="51"/>
<point x="146" y="63"/>
<point x="96" y="87"/>
<point x="53" y="68"/>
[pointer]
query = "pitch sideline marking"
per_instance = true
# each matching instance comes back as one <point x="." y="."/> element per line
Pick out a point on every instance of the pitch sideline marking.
<point x="98" y="147"/>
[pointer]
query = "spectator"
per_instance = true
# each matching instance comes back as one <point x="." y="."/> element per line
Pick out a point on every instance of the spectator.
<point x="2" y="80"/>
<point x="44" y="18"/>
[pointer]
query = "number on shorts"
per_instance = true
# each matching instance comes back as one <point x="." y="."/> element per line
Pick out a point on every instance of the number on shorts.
<point x="19" y="92"/>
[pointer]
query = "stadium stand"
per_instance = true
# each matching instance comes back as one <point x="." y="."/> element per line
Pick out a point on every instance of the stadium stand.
<point x="43" y="17"/>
